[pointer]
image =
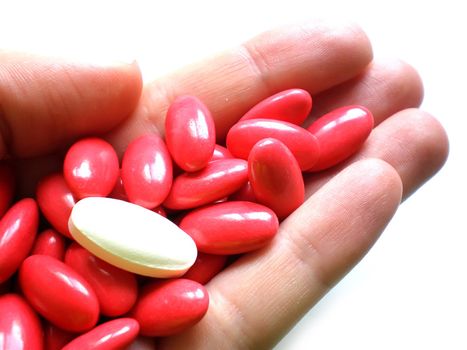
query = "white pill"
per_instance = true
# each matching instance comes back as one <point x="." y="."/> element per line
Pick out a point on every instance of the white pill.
<point x="131" y="237"/>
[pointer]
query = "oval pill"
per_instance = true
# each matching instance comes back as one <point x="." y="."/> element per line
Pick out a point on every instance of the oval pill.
<point x="168" y="307"/>
<point x="18" y="229"/>
<point x="59" y="293"/>
<point x="114" y="334"/>
<point x="91" y="167"/>
<point x="20" y="328"/>
<point x="206" y="267"/>
<point x="147" y="171"/>
<point x="131" y="237"/>
<point x="291" y="106"/>
<point x="190" y="133"/>
<point x="340" y="134"/>
<point x="245" y="134"/>
<point x="230" y="227"/>
<point x="49" y="242"/>
<point x="275" y="177"/>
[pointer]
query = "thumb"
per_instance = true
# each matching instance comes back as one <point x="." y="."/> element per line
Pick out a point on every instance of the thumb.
<point x="45" y="103"/>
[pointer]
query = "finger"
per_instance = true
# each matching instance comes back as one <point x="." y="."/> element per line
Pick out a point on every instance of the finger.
<point x="46" y="102"/>
<point x="385" y="87"/>
<point x="412" y="141"/>
<point x="307" y="56"/>
<point x="256" y="300"/>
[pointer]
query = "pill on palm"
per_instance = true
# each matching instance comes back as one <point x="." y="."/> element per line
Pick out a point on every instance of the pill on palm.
<point x="244" y="135"/>
<point x="131" y="237"/>
<point x="91" y="168"/>
<point x="291" y="106"/>
<point x="340" y="134"/>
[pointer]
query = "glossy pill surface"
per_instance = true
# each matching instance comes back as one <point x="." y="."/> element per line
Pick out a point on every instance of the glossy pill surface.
<point x="275" y="177"/>
<point x="56" y="338"/>
<point x="49" y="242"/>
<point x="340" y="134"/>
<point x="168" y="307"/>
<point x="230" y="227"/>
<point x="115" y="288"/>
<point x="20" y="328"/>
<point x="91" y="168"/>
<point x="111" y="335"/>
<point x="131" y="237"/>
<point x="190" y="133"/>
<point x="206" y="267"/>
<point x="18" y="229"/>
<point x="56" y="200"/>
<point x="244" y="135"/>
<point x="220" y="152"/>
<point x="291" y="106"/>
<point x="216" y="181"/>
<point x="58" y="293"/>
<point x="147" y="171"/>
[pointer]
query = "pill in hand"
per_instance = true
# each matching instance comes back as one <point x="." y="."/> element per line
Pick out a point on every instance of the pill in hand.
<point x="131" y="237"/>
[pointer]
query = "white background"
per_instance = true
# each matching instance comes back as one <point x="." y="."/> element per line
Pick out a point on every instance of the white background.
<point x="410" y="291"/>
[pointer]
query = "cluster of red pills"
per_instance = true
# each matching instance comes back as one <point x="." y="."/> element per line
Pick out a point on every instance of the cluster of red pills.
<point x="56" y="293"/>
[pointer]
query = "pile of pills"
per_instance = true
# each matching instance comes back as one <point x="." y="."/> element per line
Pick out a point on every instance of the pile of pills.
<point x="129" y="245"/>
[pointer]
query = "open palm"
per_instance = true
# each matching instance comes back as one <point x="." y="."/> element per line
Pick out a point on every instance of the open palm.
<point x="46" y="104"/>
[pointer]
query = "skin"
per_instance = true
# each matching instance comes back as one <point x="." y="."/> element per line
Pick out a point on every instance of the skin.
<point x="255" y="301"/>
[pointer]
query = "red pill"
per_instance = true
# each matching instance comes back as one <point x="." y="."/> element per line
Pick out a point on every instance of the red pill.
<point x="169" y="307"/>
<point x="59" y="293"/>
<point x="230" y="227"/>
<point x="56" y="201"/>
<point x="216" y="181"/>
<point x="147" y="171"/>
<point x="18" y="229"/>
<point x="56" y="338"/>
<point x="190" y="133"/>
<point x="115" y="288"/>
<point x="91" y="168"/>
<point x="205" y="267"/>
<point x="340" y="134"/>
<point x="245" y="134"/>
<point x="291" y="106"/>
<point x="221" y="152"/>
<point x="20" y="328"/>
<point x="275" y="177"/>
<point x="49" y="242"/>
<point x="7" y="187"/>
<point x="111" y="335"/>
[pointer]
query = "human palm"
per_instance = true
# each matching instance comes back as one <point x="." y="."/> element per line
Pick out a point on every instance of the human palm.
<point x="46" y="104"/>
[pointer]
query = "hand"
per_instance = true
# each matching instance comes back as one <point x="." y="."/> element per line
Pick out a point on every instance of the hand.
<point x="256" y="300"/>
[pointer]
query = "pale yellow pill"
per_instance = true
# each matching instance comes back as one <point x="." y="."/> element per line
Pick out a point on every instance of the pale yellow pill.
<point x="131" y="237"/>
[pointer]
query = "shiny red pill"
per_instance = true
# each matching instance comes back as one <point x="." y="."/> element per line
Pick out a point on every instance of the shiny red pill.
<point x="49" y="242"/>
<point x="169" y="307"/>
<point x="216" y="181"/>
<point x="245" y="193"/>
<point x="59" y="293"/>
<point x="244" y="135"/>
<point x="20" y="327"/>
<point x="206" y="267"/>
<point x="291" y="106"/>
<point x="115" y="288"/>
<point x="91" y="168"/>
<point x="230" y="227"/>
<point x="147" y="171"/>
<point x="275" y="177"/>
<point x="7" y="187"/>
<point x="18" y="229"/>
<point x="111" y="335"/>
<point x="190" y="133"/>
<point x="56" y="201"/>
<point x="340" y="134"/>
